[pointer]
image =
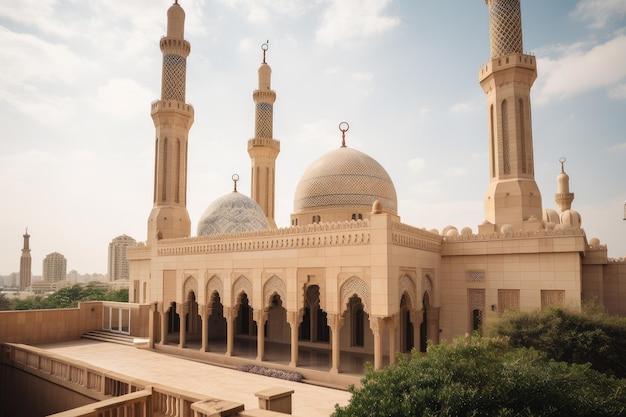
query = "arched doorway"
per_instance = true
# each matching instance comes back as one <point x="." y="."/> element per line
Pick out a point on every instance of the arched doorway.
<point x="276" y="331"/>
<point x="173" y="321"/>
<point x="314" y="326"/>
<point x="245" y="327"/>
<point x="216" y="324"/>
<point x="193" y="322"/>
<point x="407" y="328"/>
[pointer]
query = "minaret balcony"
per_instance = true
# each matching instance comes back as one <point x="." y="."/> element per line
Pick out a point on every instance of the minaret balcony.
<point x="271" y="144"/>
<point x="172" y="106"/>
<point x="515" y="60"/>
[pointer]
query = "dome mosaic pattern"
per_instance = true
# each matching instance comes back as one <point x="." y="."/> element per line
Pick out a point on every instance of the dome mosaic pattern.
<point x="345" y="177"/>
<point x="232" y="213"/>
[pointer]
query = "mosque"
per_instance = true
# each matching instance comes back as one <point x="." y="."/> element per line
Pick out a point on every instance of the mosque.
<point x="348" y="279"/>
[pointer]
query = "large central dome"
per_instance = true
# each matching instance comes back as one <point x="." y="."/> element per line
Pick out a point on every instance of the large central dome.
<point x="345" y="177"/>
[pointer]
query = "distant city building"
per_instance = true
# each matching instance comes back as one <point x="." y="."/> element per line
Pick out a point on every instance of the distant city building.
<point x="54" y="267"/>
<point x="26" y="262"/>
<point x="118" y="267"/>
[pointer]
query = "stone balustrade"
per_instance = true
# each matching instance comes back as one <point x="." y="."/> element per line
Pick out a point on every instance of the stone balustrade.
<point x="117" y="395"/>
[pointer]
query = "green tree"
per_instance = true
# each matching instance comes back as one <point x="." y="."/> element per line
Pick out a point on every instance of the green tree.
<point x="484" y="377"/>
<point x="5" y="304"/>
<point x="574" y="337"/>
<point x="119" y="295"/>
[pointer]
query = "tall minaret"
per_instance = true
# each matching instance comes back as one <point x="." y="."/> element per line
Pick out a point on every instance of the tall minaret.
<point x="513" y="197"/>
<point x="264" y="149"/>
<point x="25" y="263"/>
<point x="172" y="119"/>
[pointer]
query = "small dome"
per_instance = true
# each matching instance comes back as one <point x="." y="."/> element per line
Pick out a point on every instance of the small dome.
<point x="572" y="218"/>
<point x="551" y="216"/>
<point x="232" y="213"/>
<point x="345" y="177"/>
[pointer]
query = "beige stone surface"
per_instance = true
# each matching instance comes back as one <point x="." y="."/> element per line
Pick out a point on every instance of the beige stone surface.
<point x="223" y="383"/>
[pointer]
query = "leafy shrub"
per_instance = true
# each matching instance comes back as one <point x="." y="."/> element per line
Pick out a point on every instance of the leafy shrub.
<point x="573" y="337"/>
<point x="484" y="377"/>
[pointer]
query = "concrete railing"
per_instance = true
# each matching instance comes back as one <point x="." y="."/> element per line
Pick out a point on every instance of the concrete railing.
<point x="119" y="395"/>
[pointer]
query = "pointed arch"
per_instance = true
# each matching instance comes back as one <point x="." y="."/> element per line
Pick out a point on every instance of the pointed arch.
<point x="241" y="285"/>
<point x="354" y="286"/>
<point x="427" y="285"/>
<point x="214" y="285"/>
<point x="190" y="285"/>
<point x="406" y="285"/>
<point x="272" y="286"/>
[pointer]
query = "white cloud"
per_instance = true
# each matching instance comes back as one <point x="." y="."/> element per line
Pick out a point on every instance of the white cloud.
<point x="461" y="108"/>
<point x="619" y="147"/>
<point x="580" y="70"/>
<point x="346" y="20"/>
<point x="600" y="12"/>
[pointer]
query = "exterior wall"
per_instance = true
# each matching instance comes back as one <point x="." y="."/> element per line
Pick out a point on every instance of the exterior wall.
<point x="614" y="279"/>
<point x="536" y="265"/>
<point x="48" y="326"/>
<point x="45" y="326"/>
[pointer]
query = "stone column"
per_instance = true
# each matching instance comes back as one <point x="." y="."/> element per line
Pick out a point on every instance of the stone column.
<point x="182" y="310"/>
<point x="433" y="324"/>
<point x="260" y="317"/>
<point x="392" y="328"/>
<point x="294" y="318"/>
<point x="416" y="319"/>
<point x="154" y="308"/>
<point x="230" y="315"/>
<point x="205" y="314"/>
<point x="335" y="321"/>
<point x="377" y="328"/>
<point x="163" y="325"/>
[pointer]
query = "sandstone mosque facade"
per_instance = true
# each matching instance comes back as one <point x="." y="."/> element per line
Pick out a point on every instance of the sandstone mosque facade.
<point x="348" y="278"/>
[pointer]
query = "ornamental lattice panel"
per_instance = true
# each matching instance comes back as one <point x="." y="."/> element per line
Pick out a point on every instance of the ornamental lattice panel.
<point x="551" y="298"/>
<point x="173" y="78"/>
<point x="264" y="121"/>
<point x="506" y="27"/>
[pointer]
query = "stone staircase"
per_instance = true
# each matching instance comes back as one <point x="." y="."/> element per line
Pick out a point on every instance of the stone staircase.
<point x="105" y="336"/>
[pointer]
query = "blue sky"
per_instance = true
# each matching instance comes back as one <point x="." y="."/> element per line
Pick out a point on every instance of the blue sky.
<point x="77" y="79"/>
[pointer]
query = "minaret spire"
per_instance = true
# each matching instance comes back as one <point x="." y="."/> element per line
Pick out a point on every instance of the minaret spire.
<point x="172" y="119"/>
<point x="563" y="197"/>
<point x="513" y="197"/>
<point x="25" y="263"/>
<point x="263" y="148"/>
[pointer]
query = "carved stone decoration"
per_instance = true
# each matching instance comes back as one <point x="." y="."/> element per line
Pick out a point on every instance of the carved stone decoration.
<point x="352" y="286"/>
<point x="242" y="284"/>
<point x="274" y="285"/>
<point x="407" y="286"/>
<point x="215" y="284"/>
<point x="427" y="285"/>
<point x="191" y="284"/>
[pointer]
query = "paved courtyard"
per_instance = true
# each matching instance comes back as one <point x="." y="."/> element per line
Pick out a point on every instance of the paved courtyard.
<point x="228" y="384"/>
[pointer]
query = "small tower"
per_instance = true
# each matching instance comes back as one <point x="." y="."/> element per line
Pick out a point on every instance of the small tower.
<point x="25" y="263"/>
<point x="172" y="119"/>
<point x="563" y="197"/>
<point x="513" y="196"/>
<point x="263" y="148"/>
